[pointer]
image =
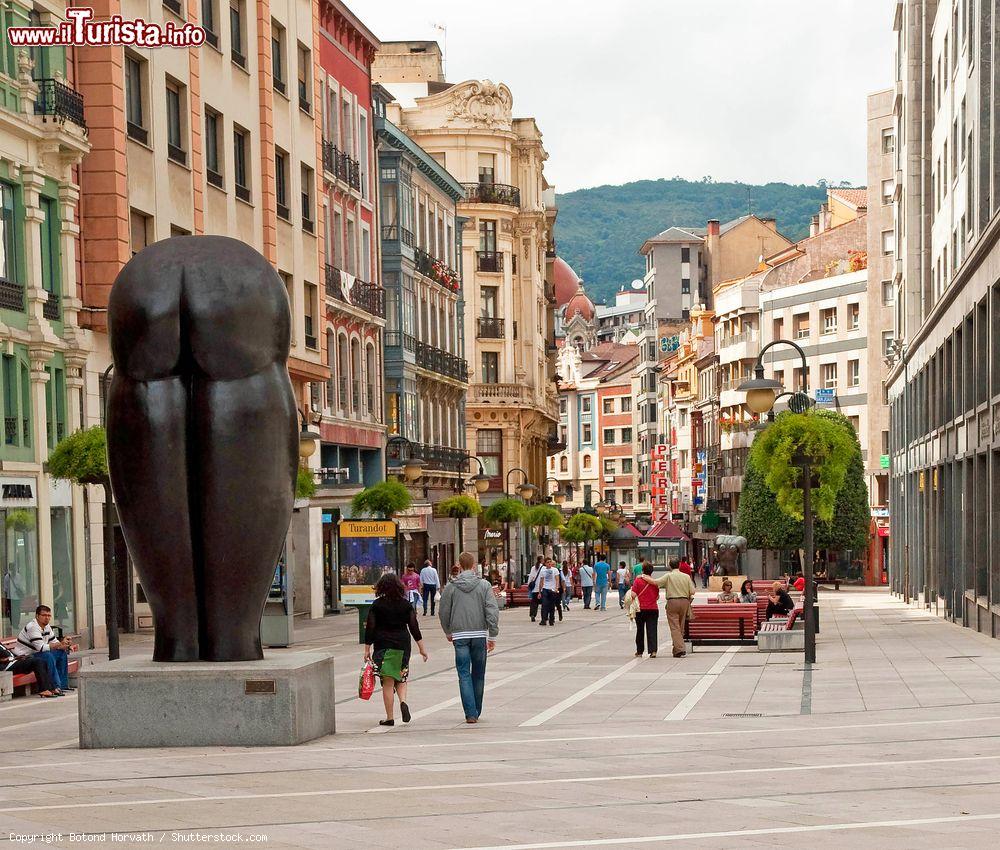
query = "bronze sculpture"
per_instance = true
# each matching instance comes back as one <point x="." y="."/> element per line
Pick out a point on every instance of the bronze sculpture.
<point x="202" y="439"/>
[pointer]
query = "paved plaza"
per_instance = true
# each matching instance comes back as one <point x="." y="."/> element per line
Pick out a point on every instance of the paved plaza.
<point x="888" y="742"/>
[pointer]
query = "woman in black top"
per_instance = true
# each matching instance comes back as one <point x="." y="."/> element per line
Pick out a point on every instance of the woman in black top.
<point x="779" y="602"/>
<point x="391" y="621"/>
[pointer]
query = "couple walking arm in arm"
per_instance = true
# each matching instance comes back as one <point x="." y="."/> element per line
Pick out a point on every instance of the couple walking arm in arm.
<point x="680" y="592"/>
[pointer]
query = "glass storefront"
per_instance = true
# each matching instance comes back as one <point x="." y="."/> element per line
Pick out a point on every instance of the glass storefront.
<point x="63" y="596"/>
<point x="19" y="565"/>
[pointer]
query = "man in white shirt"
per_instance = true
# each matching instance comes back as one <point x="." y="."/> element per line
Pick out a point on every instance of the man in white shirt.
<point x="587" y="576"/>
<point x="533" y="590"/>
<point x="430" y="581"/>
<point x="547" y="586"/>
<point x="37" y="638"/>
<point x="622" y="576"/>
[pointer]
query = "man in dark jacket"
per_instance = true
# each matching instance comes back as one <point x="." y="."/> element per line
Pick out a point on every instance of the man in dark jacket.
<point x="470" y="618"/>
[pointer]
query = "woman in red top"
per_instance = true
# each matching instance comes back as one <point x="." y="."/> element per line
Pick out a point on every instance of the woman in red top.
<point x="646" y="619"/>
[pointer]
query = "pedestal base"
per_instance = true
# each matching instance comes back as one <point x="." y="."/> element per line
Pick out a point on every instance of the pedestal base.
<point x="282" y="700"/>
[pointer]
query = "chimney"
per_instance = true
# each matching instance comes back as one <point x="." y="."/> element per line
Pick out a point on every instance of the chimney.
<point x="814" y="226"/>
<point x="771" y="224"/>
<point x="713" y="227"/>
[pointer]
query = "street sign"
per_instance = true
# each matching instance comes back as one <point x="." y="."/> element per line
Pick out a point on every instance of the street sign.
<point x="883" y="461"/>
<point x="825" y="395"/>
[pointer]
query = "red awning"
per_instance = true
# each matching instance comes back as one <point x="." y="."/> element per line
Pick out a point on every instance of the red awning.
<point x="667" y="530"/>
<point x="883" y="531"/>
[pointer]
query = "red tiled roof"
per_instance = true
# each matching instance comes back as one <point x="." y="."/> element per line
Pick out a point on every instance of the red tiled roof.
<point x="857" y="198"/>
<point x="667" y="530"/>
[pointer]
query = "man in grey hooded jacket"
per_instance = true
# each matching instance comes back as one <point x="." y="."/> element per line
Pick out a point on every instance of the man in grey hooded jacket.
<point x="470" y="618"/>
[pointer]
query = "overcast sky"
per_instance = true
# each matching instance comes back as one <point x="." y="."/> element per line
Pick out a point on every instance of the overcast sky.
<point x="751" y="90"/>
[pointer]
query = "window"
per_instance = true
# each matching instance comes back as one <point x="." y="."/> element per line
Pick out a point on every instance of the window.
<point x="855" y="423"/>
<point x="310" y="310"/>
<point x="626" y="436"/>
<point x="281" y="182"/>
<point x="489" y="449"/>
<point x="626" y="405"/>
<point x="800" y="325"/>
<point x="209" y="22"/>
<point x="828" y="320"/>
<point x="237" y="35"/>
<point x="888" y="242"/>
<point x="278" y="56"/>
<point x="305" y="78"/>
<point x="175" y="122"/>
<point x="213" y="164"/>
<point x="608" y="405"/>
<point x="626" y="466"/>
<point x="685" y="286"/>
<point x="888" y="293"/>
<point x="491" y="367"/>
<point x="487" y="168"/>
<point x="828" y="375"/>
<point x="8" y="236"/>
<point x="487" y="235"/>
<point x="628" y="496"/>
<point x="241" y="143"/>
<point x="685" y="254"/>
<point x="562" y="405"/>
<point x="586" y="434"/>
<point x="609" y="466"/>
<point x="50" y="252"/>
<point x="587" y="465"/>
<point x="609" y="436"/>
<point x="585" y="402"/>
<point x="888" y="141"/>
<point x="888" y="190"/>
<point x="854" y="373"/>
<point x="140" y="229"/>
<point x="778" y="328"/>
<point x="887" y="343"/>
<point x="853" y="317"/>
<point x="135" y="120"/>
<point x="306" y="198"/>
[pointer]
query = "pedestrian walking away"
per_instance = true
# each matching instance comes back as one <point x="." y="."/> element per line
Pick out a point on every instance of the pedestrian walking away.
<point x="534" y="598"/>
<point x="390" y="623"/>
<point x="646" y="594"/>
<point x="623" y="577"/>
<point x="602" y="573"/>
<point x="471" y="620"/>
<point x="587" y="575"/>
<point x="567" y="578"/>
<point x="430" y="581"/>
<point x="680" y="591"/>
<point x="547" y="587"/>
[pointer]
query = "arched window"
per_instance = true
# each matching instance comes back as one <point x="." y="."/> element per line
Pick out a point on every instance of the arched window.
<point x="371" y="377"/>
<point x="356" y="375"/>
<point x="564" y="464"/>
<point x="331" y="359"/>
<point x="343" y="373"/>
<point x="586" y="461"/>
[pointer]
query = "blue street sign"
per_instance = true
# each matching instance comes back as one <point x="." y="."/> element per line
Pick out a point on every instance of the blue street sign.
<point x="824" y="396"/>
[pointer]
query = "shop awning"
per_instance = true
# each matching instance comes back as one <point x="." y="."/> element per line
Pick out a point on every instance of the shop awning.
<point x="667" y="530"/>
<point x="883" y="531"/>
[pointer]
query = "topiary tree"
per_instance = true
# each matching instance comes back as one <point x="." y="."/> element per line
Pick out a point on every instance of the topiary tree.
<point x="461" y="508"/>
<point x="383" y="500"/>
<point x="582" y="528"/>
<point x="543" y="517"/>
<point x="82" y="457"/>
<point x="504" y="511"/>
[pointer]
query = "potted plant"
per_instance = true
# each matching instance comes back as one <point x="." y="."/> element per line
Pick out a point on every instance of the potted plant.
<point x="383" y="500"/>
<point x="459" y="507"/>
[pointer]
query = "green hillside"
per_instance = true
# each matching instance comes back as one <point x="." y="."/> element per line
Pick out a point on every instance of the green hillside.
<point x="599" y="231"/>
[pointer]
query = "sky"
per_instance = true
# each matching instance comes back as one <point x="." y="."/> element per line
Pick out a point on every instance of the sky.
<point x="750" y="90"/>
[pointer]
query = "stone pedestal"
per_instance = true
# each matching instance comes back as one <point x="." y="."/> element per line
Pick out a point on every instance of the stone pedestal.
<point x="783" y="641"/>
<point x="283" y="700"/>
<point x="6" y="685"/>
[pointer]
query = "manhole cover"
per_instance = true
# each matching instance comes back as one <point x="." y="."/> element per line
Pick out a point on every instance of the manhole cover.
<point x="743" y="715"/>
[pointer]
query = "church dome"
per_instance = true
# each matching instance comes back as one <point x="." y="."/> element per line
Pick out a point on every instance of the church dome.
<point x="565" y="280"/>
<point x="580" y="304"/>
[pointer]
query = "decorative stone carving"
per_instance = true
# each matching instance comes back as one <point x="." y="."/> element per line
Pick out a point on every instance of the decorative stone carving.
<point x="482" y="103"/>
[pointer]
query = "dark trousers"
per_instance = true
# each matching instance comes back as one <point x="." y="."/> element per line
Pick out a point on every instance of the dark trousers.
<point x="645" y="630"/>
<point x="430" y="591"/>
<point x="588" y="591"/>
<point x="549" y="600"/>
<point x="775" y="611"/>
<point x="533" y="602"/>
<point x="34" y="664"/>
<point x="57" y="661"/>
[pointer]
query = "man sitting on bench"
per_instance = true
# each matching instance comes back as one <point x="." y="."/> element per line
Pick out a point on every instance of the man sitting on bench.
<point x="18" y="665"/>
<point x="779" y="602"/>
<point x="36" y="638"/>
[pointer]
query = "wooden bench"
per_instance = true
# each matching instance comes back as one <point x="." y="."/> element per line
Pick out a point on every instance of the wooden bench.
<point x="782" y="624"/>
<point x="834" y="581"/>
<point x="731" y="623"/>
<point x="26" y="680"/>
<point x="518" y="596"/>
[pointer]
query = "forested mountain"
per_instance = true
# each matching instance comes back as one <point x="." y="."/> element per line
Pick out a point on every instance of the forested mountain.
<point x="599" y="230"/>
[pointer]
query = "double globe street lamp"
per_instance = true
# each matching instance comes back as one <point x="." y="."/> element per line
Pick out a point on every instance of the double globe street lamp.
<point x="762" y="394"/>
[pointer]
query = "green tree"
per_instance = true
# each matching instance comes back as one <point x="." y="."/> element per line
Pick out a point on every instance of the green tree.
<point x="383" y="500"/>
<point x="305" y="483"/>
<point x="543" y="516"/>
<point x="459" y="507"/>
<point x="504" y="511"/>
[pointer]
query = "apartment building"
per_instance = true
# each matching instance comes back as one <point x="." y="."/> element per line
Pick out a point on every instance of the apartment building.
<point x="43" y="136"/>
<point x="469" y="128"/>
<point x="944" y="383"/>
<point x="624" y="320"/>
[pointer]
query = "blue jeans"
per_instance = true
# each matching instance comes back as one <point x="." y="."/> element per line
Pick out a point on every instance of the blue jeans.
<point x="622" y="590"/>
<point x="470" y="662"/>
<point x="56" y="660"/>
<point x="601" y="600"/>
<point x="588" y="590"/>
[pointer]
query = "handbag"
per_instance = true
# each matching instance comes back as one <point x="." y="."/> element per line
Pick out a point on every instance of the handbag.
<point x="366" y="681"/>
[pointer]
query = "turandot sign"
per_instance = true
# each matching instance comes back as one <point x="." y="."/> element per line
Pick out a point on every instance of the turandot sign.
<point x="367" y="551"/>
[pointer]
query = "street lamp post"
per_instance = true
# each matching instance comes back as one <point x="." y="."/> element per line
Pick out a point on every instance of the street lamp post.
<point x="411" y="466"/>
<point x="559" y="496"/>
<point x="762" y="393"/>
<point x="526" y="491"/>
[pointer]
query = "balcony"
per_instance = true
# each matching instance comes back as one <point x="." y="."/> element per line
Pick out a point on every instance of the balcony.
<point x="341" y="165"/>
<point x="436" y="270"/>
<point x="50" y="309"/>
<point x="741" y="346"/>
<point x="11" y="295"/>
<point x="441" y="458"/>
<point x="395" y="339"/>
<point x="369" y="297"/>
<point x="499" y="394"/>
<point x="395" y="233"/>
<point x="442" y="362"/>
<point x="489" y="261"/>
<point x="489" y="328"/>
<point x="492" y="193"/>
<point x="332" y="281"/>
<point x="58" y="100"/>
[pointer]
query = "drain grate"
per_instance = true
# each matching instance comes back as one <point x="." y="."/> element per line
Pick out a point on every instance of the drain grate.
<point x="750" y="714"/>
<point x="947" y="657"/>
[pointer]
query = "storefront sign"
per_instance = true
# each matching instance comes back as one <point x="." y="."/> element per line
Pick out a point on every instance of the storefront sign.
<point x="367" y="551"/>
<point x="492" y="534"/>
<point x="17" y="492"/>
<point x="412" y="523"/>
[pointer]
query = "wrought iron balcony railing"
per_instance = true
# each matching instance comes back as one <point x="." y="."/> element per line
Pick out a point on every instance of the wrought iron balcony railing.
<point x="395" y="233"/>
<point x="370" y="297"/>
<point x="489" y="261"/>
<point x="50" y="309"/>
<point x="341" y="165"/>
<point x="435" y="270"/>
<point x="440" y="361"/>
<point x="492" y="193"/>
<point x="333" y="284"/>
<point x="59" y="100"/>
<point x="11" y="295"/>
<point x="489" y="328"/>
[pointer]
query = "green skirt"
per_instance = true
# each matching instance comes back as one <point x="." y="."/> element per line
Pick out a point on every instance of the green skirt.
<point x="392" y="664"/>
